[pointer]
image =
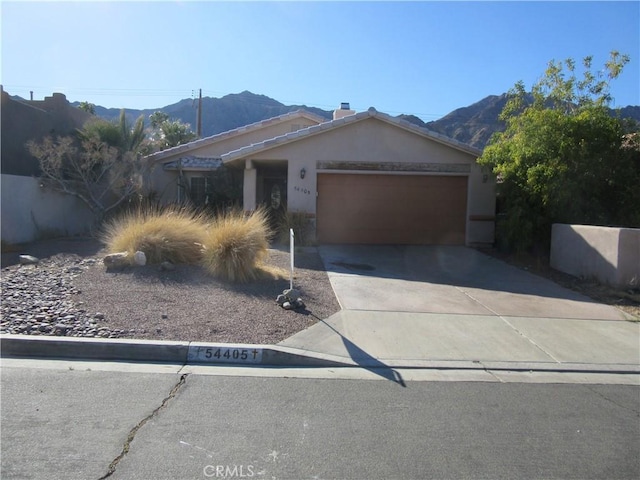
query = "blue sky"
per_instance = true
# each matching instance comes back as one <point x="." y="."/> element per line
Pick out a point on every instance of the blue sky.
<point x="421" y="58"/>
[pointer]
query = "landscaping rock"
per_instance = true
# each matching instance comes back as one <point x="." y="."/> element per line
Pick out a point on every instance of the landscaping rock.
<point x="117" y="260"/>
<point x="290" y="300"/>
<point x="140" y="259"/>
<point x="28" y="260"/>
<point x="39" y="301"/>
<point x="61" y="328"/>
<point x="167" y="267"/>
<point x="292" y="294"/>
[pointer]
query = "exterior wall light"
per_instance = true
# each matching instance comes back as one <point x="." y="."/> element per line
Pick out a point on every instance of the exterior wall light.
<point x="303" y="172"/>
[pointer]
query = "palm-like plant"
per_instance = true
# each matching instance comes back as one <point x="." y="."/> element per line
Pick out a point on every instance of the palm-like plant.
<point x="118" y="134"/>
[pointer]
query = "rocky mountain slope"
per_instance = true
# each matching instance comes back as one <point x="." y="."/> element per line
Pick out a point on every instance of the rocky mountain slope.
<point x="474" y="124"/>
<point x="218" y="114"/>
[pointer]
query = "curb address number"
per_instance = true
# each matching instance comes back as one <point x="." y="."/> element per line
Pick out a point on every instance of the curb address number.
<point x="225" y="355"/>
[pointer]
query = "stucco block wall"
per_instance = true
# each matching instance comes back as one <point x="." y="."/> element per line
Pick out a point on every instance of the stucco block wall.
<point x="30" y="212"/>
<point x="611" y="255"/>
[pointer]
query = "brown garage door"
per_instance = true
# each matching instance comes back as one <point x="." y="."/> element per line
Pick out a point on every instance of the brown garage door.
<point x="391" y="209"/>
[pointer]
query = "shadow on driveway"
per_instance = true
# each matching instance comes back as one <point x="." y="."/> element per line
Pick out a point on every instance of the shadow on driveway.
<point x="441" y="265"/>
<point x="364" y="359"/>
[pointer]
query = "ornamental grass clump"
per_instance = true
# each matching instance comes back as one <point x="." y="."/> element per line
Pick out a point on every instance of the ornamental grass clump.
<point x="299" y="222"/>
<point x="170" y="234"/>
<point x="236" y="246"/>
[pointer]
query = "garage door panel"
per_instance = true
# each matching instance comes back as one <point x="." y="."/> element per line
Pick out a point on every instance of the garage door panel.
<point x="387" y="209"/>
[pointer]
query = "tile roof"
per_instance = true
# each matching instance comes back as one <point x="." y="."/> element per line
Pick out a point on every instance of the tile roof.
<point x="201" y="142"/>
<point x="330" y="125"/>
<point x="194" y="163"/>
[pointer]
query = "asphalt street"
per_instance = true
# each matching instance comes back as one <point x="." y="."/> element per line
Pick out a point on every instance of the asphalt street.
<point x="80" y="421"/>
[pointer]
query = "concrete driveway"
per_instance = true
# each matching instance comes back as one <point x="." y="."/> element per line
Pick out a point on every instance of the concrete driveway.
<point x="452" y="280"/>
<point x="456" y="308"/>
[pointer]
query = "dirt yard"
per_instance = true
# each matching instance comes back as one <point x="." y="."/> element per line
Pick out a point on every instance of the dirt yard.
<point x="186" y="303"/>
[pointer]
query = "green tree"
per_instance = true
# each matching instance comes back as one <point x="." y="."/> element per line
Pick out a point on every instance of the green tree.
<point x="168" y="133"/>
<point x="102" y="165"/>
<point x="158" y="118"/>
<point x="118" y="134"/>
<point x="87" y="107"/>
<point x="562" y="157"/>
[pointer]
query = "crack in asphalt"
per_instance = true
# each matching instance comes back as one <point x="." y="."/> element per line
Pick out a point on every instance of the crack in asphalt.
<point x="132" y="433"/>
<point x="605" y="397"/>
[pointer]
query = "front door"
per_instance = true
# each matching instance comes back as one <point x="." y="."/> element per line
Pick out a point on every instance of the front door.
<point x="275" y="197"/>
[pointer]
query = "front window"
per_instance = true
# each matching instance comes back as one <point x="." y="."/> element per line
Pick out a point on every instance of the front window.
<point x="200" y="190"/>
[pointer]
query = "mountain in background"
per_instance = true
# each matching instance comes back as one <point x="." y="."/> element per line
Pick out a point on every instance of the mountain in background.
<point x="473" y="125"/>
<point x="218" y="114"/>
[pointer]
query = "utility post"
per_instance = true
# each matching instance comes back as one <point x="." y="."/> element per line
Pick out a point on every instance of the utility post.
<point x="199" y="120"/>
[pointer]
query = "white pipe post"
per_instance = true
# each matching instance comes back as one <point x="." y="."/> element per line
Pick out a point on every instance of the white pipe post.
<point x="291" y="248"/>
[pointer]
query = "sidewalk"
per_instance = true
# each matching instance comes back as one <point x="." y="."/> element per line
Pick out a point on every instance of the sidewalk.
<point x="368" y="339"/>
<point x="436" y="340"/>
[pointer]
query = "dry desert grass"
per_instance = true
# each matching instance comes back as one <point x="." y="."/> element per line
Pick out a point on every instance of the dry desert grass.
<point x="231" y="245"/>
<point x="236" y="246"/>
<point x="172" y="234"/>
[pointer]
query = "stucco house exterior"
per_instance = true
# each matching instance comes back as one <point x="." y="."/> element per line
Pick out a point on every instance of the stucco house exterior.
<point x="28" y="211"/>
<point x="361" y="178"/>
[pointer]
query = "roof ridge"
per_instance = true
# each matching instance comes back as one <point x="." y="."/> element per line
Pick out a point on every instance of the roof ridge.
<point x="228" y="133"/>
<point x="371" y="112"/>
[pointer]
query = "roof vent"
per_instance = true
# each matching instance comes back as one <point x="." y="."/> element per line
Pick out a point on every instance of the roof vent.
<point x="343" y="111"/>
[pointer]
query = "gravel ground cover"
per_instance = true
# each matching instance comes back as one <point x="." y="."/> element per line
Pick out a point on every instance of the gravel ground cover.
<point x="70" y="293"/>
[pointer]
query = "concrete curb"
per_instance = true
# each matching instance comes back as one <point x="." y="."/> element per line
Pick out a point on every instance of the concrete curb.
<point x="129" y="350"/>
<point x="199" y="353"/>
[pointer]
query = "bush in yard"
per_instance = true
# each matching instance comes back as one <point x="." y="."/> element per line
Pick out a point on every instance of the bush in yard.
<point x="299" y="222"/>
<point x="563" y="158"/>
<point x="236" y="246"/>
<point x="169" y="234"/>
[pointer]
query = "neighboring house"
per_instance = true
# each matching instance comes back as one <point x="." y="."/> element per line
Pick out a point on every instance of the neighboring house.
<point x="362" y="178"/>
<point x="29" y="211"/>
<point x="24" y="120"/>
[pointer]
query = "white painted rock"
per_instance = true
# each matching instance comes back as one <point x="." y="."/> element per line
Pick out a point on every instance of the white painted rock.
<point x="139" y="258"/>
